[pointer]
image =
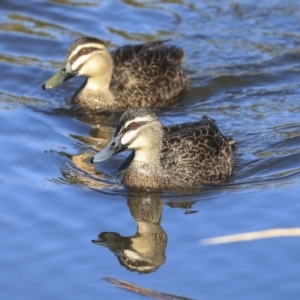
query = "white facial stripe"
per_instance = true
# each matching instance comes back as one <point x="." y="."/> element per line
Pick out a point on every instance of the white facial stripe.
<point x="139" y="142"/>
<point x="138" y="119"/>
<point x="128" y="137"/>
<point x="80" y="61"/>
<point x="134" y="141"/>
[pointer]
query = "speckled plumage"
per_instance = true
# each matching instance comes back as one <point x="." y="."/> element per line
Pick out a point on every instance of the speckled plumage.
<point x="186" y="154"/>
<point x="145" y="75"/>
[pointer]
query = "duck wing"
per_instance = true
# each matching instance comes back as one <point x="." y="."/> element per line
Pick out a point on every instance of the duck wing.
<point x="148" y="73"/>
<point x="205" y="121"/>
<point x="199" y="153"/>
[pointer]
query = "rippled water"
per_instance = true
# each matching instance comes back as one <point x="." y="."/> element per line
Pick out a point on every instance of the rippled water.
<point x="243" y="59"/>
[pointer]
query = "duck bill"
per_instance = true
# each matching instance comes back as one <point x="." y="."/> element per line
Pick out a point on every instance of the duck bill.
<point x="61" y="76"/>
<point x="114" y="146"/>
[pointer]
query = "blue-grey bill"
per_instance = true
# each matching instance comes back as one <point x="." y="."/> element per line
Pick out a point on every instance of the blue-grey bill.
<point x="62" y="75"/>
<point x="55" y="80"/>
<point x="112" y="148"/>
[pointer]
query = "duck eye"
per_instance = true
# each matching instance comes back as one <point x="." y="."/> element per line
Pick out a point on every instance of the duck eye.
<point x="84" y="51"/>
<point x="133" y="126"/>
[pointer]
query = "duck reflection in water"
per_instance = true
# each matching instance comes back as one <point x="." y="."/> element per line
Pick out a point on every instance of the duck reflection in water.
<point x="143" y="252"/>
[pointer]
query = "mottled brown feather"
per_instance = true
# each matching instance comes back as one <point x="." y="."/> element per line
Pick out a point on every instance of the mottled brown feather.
<point x="191" y="154"/>
<point x="148" y="75"/>
<point x="144" y="75"/>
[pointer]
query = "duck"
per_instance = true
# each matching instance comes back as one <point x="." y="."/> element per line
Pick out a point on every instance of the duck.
<point x="180" y="155"/>
<point x="143" y="75"/>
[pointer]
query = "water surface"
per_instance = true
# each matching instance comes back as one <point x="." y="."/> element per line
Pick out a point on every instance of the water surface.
<point x="243" y="60"/>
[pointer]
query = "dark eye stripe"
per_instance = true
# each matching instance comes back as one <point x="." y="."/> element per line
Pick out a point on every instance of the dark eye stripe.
<point x="138" y="125"/>
<point x="121" y="130"/>
<point x="77" y="55"/>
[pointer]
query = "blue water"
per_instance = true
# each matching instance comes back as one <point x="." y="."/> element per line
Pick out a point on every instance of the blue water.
<point x="243" y="59"/>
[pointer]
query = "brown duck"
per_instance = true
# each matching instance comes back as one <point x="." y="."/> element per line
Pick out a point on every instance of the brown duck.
<point x="185" y="155"/>
<point x="145" y="75"/>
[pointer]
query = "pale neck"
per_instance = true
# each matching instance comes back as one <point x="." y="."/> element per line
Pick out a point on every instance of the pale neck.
<point x="98" y="83"/>
<point x="147" y="156"/>
<point x="95" y="98"/>
<point x="148" y="151"/>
